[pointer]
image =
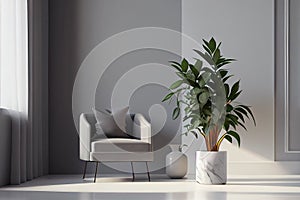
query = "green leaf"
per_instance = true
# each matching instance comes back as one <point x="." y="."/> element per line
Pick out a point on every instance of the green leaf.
<point x="216" y="55"/>
<point x="184" y="65"/>
<point x="233" y="118"/>
<point x="215" y="81"/>
<point x="207" y="49"/>
<point x="176" y="84"/>
<point x="242" y="125"/>
<point x="250" y="112"/>
<point x="203" y="97"/>
<point x="212" y="44"/>
<point x="206" y="76"/>
<point x="194" y="70"/>
<point x="196" y="91"/>
<point x="206" y="111"/>
<point x="198" y="65"/>
<point x="223" y="73"/>
<point x="176" y="67"/>
<point x="195" y="124"/>
<point x="187" y="109"/>
<point x="176" y="113"/>
<point x="230" y="60"/>
<point x="226" y="125"/>
<point x="194" y="117"/>
<point x="229" y="138"/>
<point x="223" y="64"/>
<point x="231" y="123"/>
<point x="206" y="69"/>
<point x="195" y="107"/>
<point x="215" y="115"/>
<point x="219" y="45"/>
<point x="181" y="75"/>
<point x="224" y="61"/>
<point x="226" y="78"/>
<point x="234" y="88"/>
<point x="175" y="63"/>
<point x="201" y="82"/>
<point x="236" y="136"/>
<point x="233" y="97"/>
<point x="168" y="96"/>
<point x="240" y="115"/>
<point x="220" y="60"/>
<point x="229" y="108"/>
<point x="242" y="111"/>
<point x="190" y="75"/>
<point x="205" y="42"/>
<point x="226" y="87"/>
<point x="205" y="56"/>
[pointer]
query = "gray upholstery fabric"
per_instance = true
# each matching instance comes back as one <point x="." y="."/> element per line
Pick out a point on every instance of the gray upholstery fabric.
<point x="129" y="126"/>
<point x="115" y="149"/>
<point x="92" y="121"/>
<point x="112" y="125"/>
<point x="120" y="145"/>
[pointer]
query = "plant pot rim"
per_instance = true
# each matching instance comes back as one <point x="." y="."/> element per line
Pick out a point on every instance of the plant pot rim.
<point x="212" y="151"/>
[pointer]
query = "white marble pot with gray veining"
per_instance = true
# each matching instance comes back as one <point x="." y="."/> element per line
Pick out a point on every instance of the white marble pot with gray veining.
<point x="211" y="167"/>
<point x="176" y="164"/>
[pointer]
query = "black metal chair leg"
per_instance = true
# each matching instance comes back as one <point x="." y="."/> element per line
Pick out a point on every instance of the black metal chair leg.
<point x="96" y="172"/>
<point x="84" y="171"/>
<point x="133" y="176"/>
<point x="148" y="171"/>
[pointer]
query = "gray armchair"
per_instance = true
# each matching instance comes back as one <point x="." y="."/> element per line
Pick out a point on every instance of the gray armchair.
<point x="105" y="149"/>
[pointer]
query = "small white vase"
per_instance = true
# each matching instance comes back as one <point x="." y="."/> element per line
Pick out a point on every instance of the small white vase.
<point x="211" y="167"/>
<point x="176" y="164"/>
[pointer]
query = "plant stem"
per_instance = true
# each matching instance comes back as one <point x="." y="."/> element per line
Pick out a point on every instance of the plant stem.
<point x="212" y="139"/>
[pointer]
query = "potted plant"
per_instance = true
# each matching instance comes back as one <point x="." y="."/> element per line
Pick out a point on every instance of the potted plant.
<point x="210" y="107"/>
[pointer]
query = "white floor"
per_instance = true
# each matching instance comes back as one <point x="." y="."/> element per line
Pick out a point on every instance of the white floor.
<point x="72" y="187"/>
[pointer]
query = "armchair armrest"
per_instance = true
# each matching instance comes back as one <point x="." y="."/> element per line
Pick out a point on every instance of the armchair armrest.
<point x="142" y="128"/>
<point x="85" y="136"/>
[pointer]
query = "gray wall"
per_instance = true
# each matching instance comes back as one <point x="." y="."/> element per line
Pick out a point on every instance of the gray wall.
<point x="145" y="95"/>
<point x="5" y="147"/>
<point x="76" y="27"/>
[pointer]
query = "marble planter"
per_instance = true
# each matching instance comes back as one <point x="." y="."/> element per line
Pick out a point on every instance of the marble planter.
<point x="176" y="164"/>
<point x="211" y="167"/>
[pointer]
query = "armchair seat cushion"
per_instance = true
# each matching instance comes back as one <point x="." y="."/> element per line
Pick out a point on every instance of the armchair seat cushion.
<point x="119" y="145"/>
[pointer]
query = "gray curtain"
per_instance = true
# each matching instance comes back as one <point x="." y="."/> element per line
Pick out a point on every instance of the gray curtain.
<point x="19" y="153"/>
<point x="38" y="84"/>
<point x="29" y="155"/>
<point x="5" y="147"/>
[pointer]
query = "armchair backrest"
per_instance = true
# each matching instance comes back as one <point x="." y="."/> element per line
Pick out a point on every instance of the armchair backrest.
<point x="141" y="129"/>
<point x="90" y="117"/>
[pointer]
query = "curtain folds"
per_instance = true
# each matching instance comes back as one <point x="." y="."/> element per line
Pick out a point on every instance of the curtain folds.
<point x="14" y="55"/>
<point x="38" y="87"/>
<point x="24" y="84"/>
<point x="14" y="80"/>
